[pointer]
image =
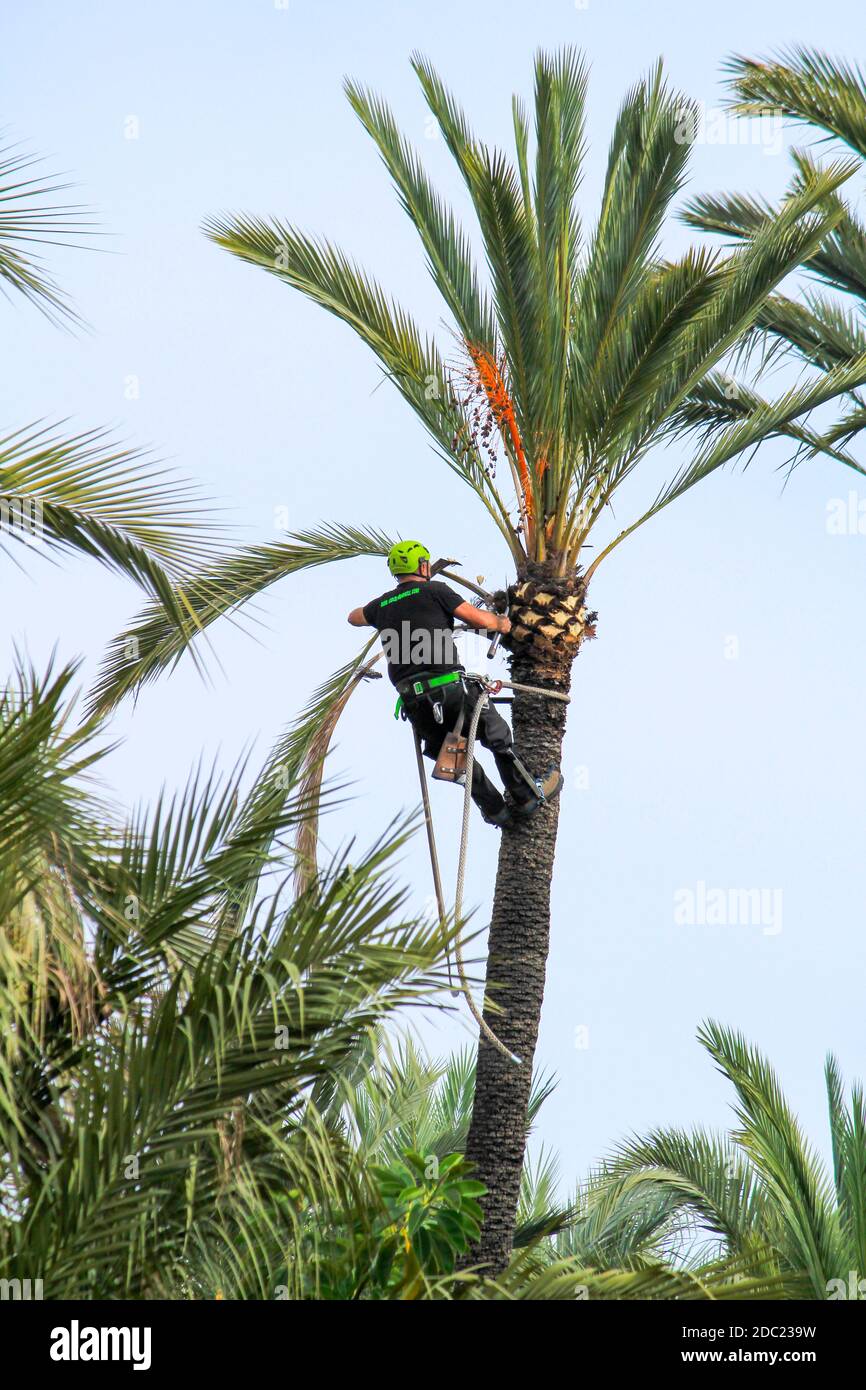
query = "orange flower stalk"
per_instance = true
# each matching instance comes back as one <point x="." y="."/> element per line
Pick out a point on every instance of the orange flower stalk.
<point x="489" y="375"/>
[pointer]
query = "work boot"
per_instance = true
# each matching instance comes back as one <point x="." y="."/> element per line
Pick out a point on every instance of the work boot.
<point x="501" y="818"/>
<point x="549" y="786"/>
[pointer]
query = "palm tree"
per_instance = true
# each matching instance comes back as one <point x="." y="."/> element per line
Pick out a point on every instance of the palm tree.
<point x="83" y="492"/>
<point x="157" y="1050"/>
<point x="573" y="357"/>
<point x="825" y="331"/>
<point x="763" y="1188"/>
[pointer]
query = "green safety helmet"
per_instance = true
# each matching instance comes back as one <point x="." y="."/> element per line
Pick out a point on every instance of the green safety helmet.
<point x="406" y="556"/>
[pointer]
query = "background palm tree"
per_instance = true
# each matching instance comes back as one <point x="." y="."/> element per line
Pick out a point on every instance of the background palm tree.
<point x="824" y="331"/>
<point x="157" y="1048"/>
<point x="569" y="361"/>
<point x="763" y="1188"/>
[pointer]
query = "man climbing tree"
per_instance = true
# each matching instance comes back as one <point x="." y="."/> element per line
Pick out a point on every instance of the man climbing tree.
<point x="415" y="621"/>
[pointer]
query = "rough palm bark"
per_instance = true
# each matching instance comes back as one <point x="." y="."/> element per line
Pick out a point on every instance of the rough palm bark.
<point x="517" y="957"/>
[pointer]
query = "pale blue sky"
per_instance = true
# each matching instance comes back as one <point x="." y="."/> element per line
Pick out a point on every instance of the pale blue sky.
<point x="738" y="773"/>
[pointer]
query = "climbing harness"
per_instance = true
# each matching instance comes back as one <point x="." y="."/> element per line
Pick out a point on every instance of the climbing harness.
<point x="488" y="688"/>
<point x="425" y="685"/>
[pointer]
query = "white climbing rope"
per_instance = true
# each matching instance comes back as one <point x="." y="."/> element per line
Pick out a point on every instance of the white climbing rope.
<point x="480" y="705"/>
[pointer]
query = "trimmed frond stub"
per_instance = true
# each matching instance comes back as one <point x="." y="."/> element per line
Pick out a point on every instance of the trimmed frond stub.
<point x="550" y="616"/>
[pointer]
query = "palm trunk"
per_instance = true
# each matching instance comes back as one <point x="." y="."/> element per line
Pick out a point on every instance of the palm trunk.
<point x="517" y="959"/>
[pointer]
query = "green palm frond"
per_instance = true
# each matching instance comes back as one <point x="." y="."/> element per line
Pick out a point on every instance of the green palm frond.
<point x="50" y="815"/>
<point x="156" y="906"/>
<point x="86" y="495"/>
<point x="560" y="111"/>
<point x="703" y="1174"/>
<point x="772" y="1137"/>
<point x="614" y="1224"/>
<point x="769" y="418"/>
<point x="531" y="239"/>
<point x="848" y="1132"/>
<point x="824" y="332"/>
<point x="846" y="429"/>
<point x="529" y="1278"/>
<point x="721" y="401"/>
<point x="810" y="88"/>
<point x="807" y="86"/>
<point x="540" y="1213"/>
<point x="775" y="249"/>
<point x="446" y="244"/>
<point x="163" y="1115"/>
<point x="411" y="362"/>
<point x="30" y="218"/>
<point x="839" y="262"/>
<point x="54" y="829"/>
<point x="642" y="342"/>
<point x="646" y="166"/>
<point x="155" y="642"/>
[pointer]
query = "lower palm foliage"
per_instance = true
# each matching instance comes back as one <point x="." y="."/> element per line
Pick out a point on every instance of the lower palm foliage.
<point x="157" y="1047"/>
<point x="753" y="1212"/>
<point x="762" y="1193"/>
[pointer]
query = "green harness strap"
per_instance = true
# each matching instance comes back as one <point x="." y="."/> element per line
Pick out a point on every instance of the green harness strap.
<point x="450" y="676"/>
<point x="421" y="687"/>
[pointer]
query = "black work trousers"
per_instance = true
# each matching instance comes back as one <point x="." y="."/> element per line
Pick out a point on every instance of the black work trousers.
<point x="493" y="734"/>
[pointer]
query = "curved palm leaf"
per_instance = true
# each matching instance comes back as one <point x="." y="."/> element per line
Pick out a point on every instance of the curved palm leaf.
<point x="807" y="86"/>
<point x="29" y="218"/>
<point x="155" y="640"/>
<point x="763" y="1192"/>
<point x="829" y="96"/>
<point x="83" y="493"/>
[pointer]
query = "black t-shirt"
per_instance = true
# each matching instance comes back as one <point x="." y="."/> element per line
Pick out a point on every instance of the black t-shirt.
<point x="416" y="624"/>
